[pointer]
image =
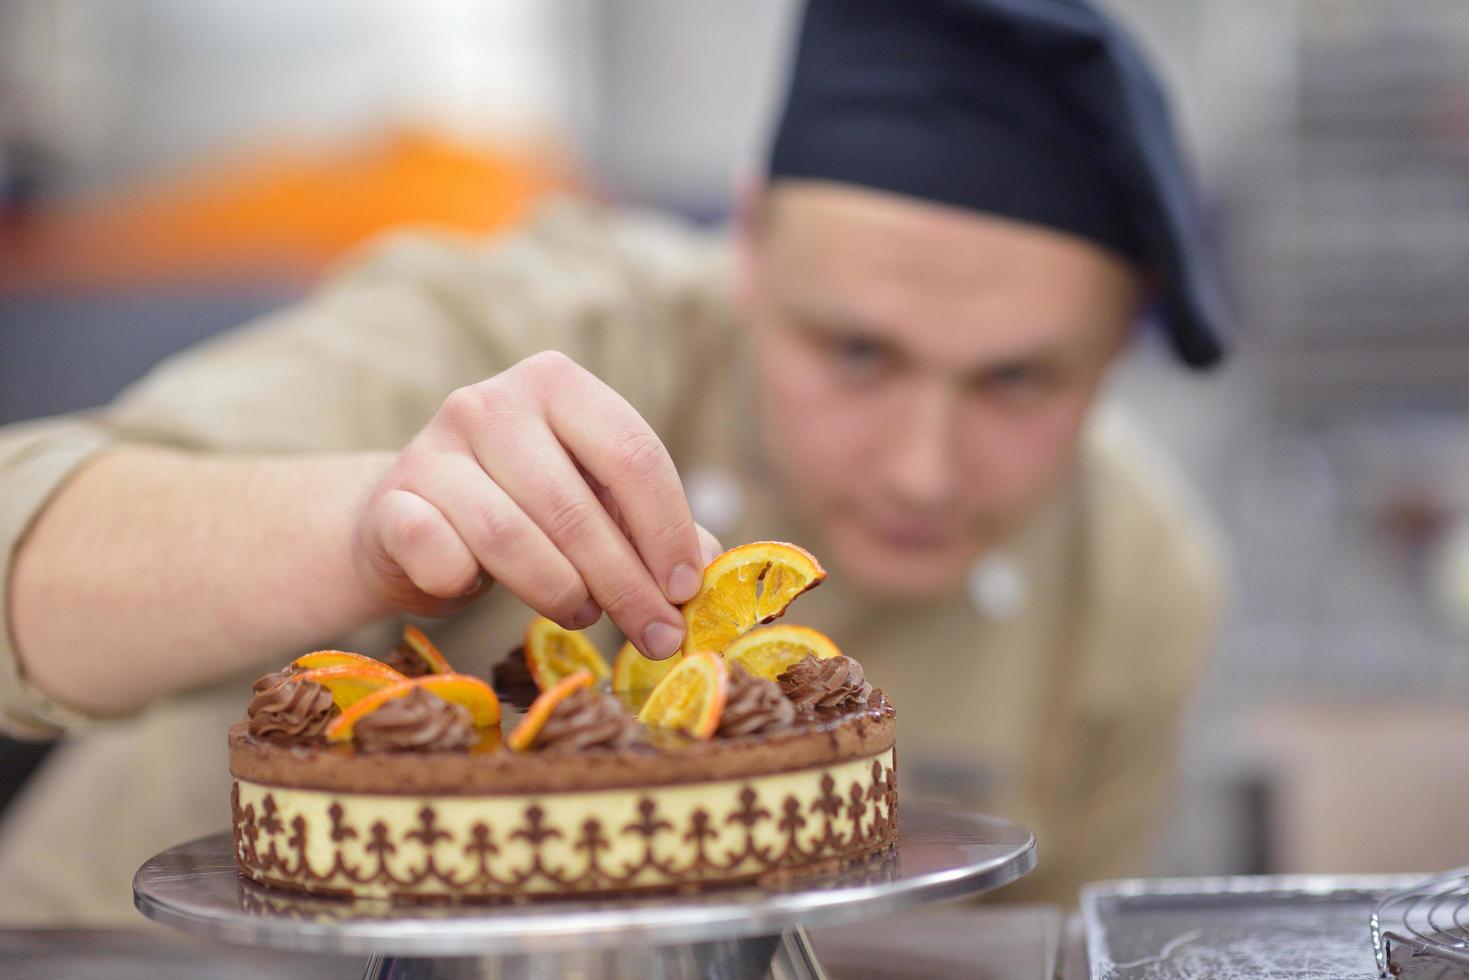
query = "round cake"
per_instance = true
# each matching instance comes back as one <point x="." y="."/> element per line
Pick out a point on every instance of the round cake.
<point x="367" y="781"/>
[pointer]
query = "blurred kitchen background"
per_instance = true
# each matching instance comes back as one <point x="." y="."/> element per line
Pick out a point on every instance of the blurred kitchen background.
<point x="169" y="168"/>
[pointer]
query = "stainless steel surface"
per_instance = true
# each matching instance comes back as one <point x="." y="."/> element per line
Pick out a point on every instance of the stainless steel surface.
<point x="1422" y="931"/>
<point x="749" y="958"/>
<point x="941" y="854"/>
<point x="1291" y="927"/>
<point x="110" y="954"/>
<point x="988" y="942"/>
<point x="962" y="941"/>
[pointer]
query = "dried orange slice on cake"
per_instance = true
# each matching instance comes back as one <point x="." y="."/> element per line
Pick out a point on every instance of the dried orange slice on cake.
<point x="691" y="698"/>
<point x="631" y="671"/>
<point x="770" y="650"/>
<point x="471" y="692"/>
<point x="339" y="658"/>
<point x="414" y="639"/>
<point x="341" y="729"/>
<point x="552" y="653"/>
<point x="350" y="683"/>
<point x="744" y="587"/>
<point x="524" y="735"/>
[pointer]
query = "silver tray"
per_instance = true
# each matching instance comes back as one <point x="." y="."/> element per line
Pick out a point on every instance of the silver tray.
<point x="941" y="854"/>
<point x="1422" y="932"/>
<point x="1288" y="927"/>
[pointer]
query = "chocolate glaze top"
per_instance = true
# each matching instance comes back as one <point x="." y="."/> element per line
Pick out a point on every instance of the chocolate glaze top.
<point x="754" y="706"/>
<point x="835" y="682"/>
<point x="289" y="709"/>
<point x="416" y="722"/>
<point x="588" y="719"/>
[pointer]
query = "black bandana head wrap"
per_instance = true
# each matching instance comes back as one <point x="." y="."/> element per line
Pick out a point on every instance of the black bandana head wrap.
<point x="1037" y="110"/>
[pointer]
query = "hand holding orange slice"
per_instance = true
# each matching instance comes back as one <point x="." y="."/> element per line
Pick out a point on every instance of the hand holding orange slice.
<point x="471" y="692"/>
<point x="691" y="698"/>
<point x="415" y="640"/>
<point x="524" y="735"/>
<point x="770" y="650"/>
<point x="751" y="584"/>
<point x="553" y="653"/>
<point x="631" y="671"/>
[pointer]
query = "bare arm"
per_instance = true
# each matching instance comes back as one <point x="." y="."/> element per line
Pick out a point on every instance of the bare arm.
<point x="154" y="570"/>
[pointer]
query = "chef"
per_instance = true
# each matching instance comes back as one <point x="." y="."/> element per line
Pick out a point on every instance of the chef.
<point x="894" y="358"/>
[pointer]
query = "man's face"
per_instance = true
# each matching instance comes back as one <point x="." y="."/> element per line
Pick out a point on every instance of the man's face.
<point x="923" y="371"/>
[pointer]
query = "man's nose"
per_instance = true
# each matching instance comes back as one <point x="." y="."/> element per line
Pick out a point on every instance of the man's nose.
<point x="921" y="465"/>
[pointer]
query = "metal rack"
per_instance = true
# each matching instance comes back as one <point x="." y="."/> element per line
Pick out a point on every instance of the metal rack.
<point x="1422" y="932"/>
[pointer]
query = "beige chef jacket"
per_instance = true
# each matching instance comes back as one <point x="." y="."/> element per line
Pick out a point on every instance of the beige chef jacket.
<point x="1059" y="712"/>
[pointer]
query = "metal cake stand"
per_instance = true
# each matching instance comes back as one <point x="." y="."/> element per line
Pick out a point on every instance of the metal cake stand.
<point x="941" y="854"/>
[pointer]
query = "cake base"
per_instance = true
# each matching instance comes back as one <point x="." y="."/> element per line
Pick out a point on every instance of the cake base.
<point x="492" y="825"/>
<point x="655" y="838"/>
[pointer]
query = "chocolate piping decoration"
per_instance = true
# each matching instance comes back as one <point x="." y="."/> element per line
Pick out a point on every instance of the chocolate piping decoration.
<point x="417" y="722"/>
<point x="754" y="706"/>
<point x="405" y="661"/>
<point x="588" y="719"/>
<point x="290" y="710"/>
<point x="512" y="680"/>
<point x="833" y="682"/>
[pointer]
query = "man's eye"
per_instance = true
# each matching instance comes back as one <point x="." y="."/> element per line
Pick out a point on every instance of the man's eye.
<point x="1015" y="380"/>
<point x="859" y="355"/>
<point x="1015" y="376"/>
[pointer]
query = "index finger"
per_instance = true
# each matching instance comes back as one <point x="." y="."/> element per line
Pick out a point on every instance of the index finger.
<point x="617" y="447"/>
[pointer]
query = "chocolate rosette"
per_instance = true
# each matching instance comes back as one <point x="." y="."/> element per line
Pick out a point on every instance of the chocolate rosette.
<point x="832" y="683"/>
<point x="754" y="706"/>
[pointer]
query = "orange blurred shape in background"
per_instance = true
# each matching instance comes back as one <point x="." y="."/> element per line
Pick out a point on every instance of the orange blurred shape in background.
<point x="277" y="215"/>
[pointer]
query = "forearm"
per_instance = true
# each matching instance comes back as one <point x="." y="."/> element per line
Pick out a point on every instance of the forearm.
<point x="153" y="571"/>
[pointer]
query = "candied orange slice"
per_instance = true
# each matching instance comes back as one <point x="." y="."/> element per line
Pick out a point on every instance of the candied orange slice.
<point x="768" y="651"/>
<point x="691" y="698"/>
<point x="524" y="735"/>
<point x="341" y="729"/>
<point x="471" y="692"/>
<point x="552" y="653"/>
<point x="339" y="658"/>
<point x="350" y="683"/>
<point x="631" y="671"/>
<point x="751" y="584"/>
<point x="424" y="647"/>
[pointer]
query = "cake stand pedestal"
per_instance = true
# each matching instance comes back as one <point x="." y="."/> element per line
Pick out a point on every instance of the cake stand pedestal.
<point x="941" y="854"/>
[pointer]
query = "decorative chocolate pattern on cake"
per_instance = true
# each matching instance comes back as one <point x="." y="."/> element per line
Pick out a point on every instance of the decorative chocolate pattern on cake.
<point x="480" y="847"/>
<point x="588" y="719"/>
<point x="290" y="709"/>
<point x="417" y="722"/>
<point x="833" y="682"/>
<point x="754" y="706"/>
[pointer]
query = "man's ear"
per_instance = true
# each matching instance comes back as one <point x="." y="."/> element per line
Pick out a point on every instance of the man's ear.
<point x="748" y="216"/>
